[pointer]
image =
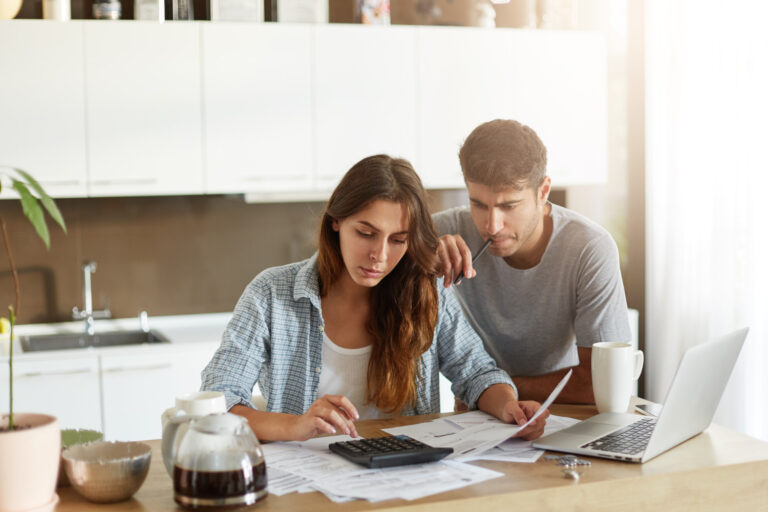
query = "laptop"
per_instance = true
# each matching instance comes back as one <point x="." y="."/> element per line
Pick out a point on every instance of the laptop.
<point x="688" y="409"/>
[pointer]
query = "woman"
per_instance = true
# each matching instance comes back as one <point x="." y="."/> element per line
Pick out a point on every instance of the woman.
<point x="361" y="329"/>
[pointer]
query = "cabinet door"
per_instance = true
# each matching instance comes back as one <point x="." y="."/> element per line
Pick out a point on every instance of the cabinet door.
<point x="187" y="365"/>
<point x="565" y="72"/>
<point x="42" y="112"/>
<point x="137" y="388"/>
<point x="552" y="81"/>
<point x="258" y="107"/>
<point x="365" y="94"/>
<point x="67" y="388"/>
<point x="143" y="108"/>
<point x="465" y="78"/>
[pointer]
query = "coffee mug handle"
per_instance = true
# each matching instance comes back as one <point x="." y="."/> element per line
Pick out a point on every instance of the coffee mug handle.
<point x="639" y="360"/>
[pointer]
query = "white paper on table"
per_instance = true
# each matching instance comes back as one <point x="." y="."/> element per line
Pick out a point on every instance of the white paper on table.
<point x="471" y="419"/>
<point x="281" y="482"/>
<point x="526" y="456"/>
<point x="406" y="482"/>
<point x="557" y="423"/>
<point x="474" y="434"/>
<point x="304" y="461"/>
<point x="519" y="450"/>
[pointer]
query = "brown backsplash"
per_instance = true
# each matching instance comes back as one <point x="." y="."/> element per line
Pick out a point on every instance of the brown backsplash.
<point x="166" y="255"/>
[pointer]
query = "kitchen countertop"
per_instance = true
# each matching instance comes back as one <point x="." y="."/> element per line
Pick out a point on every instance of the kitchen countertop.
<point x="179" y="329"/>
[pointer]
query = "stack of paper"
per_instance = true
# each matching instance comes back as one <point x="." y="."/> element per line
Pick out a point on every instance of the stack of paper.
<point x="476" y="435"/>
<point x="310" y="466"/>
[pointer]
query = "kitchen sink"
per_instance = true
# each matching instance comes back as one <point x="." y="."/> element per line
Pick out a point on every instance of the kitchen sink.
<point x="81" y="340"/>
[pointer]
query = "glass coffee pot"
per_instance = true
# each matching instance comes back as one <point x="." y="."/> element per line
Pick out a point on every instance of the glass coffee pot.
<point x="219" y="463"/>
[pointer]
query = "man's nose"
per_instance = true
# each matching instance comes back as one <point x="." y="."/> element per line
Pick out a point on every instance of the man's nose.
<point x="494" y="223"/>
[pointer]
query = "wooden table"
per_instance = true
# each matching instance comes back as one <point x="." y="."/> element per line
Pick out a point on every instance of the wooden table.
<point x="717" y="470"/>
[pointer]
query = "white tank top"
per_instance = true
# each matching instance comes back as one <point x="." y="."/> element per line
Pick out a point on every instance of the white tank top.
<point x="345" y="372"/>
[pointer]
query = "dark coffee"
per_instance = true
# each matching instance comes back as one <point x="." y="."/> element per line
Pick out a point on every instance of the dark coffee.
<point x="200" y="488"/>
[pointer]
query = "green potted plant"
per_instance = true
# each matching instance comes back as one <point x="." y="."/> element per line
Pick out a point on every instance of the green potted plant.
<point x="29" y="443"/>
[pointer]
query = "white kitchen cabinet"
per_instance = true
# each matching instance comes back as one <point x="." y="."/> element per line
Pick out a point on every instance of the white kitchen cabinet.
<point x="42" y="95"/>
<point x="136" y="390"/>
<point x="138" y="386"/>
<point x="560" y="91"/>
<point x="65" y="387"/>
<point x="187" y="366"/>
<point x="257" y="96"/>
<point x="552" y="81"/>
<point x="143" y="108"/>
<point x="283" y="110"/>
<point x="365" y="95"/>
<point x="465" y="78"/>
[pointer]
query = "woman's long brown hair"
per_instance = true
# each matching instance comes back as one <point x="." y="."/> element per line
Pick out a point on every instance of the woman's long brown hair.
<point x="404" y="303"/>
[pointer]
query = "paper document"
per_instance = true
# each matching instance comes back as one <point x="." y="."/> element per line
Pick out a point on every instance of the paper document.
<point x="551" y="398"/>
<point x="519" y="450"/>
<point x="472" y="433"/>
<point x="310" y="466"/>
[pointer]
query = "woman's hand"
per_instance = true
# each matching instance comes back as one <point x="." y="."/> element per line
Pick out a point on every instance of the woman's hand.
<point x="330" y="414"/>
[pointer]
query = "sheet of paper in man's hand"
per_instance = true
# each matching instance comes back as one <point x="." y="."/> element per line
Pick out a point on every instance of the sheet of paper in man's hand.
<point x="471" y="433"/>
<point x="551" y="398"/>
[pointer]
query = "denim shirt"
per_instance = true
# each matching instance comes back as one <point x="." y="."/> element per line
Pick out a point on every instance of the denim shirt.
<point x="275" y="338"/>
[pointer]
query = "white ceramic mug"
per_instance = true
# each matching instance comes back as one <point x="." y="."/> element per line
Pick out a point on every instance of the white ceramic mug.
<point x="615" y="367"/>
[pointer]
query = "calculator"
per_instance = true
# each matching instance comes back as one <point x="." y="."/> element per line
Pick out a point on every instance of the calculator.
<point x="384" y="452"/>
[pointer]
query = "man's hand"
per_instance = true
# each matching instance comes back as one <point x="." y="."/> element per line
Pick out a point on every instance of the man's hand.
<point x="455" y="257"/>
<point x="519" y="412"/>
<point x="328" y="415"/>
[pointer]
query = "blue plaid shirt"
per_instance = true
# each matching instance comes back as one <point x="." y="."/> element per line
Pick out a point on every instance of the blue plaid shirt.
<point x="275" y="338"/>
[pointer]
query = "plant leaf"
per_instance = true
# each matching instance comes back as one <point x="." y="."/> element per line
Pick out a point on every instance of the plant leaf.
<point x="49" y="204"/>
<point x="33" y="211"/>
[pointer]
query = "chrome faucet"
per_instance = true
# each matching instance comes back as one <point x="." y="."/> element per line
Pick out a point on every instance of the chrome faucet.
<point x="87" y="313"/>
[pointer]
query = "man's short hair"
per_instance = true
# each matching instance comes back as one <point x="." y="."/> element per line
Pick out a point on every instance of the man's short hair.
<point x="503" y="153"/>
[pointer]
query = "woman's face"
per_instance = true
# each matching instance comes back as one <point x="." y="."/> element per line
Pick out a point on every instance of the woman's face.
<point x="373" y="241"/>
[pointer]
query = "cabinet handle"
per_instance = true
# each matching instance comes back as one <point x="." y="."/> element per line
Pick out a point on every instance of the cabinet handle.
<point x="142" y="181"/>
<point x="60" y="183"/>
<point x="272" y="178"/>
<point x="118" y="369"/>
<point x="50" y="374"/>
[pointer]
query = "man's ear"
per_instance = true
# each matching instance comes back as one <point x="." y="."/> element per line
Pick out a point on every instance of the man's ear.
<point x="544" y="189"/>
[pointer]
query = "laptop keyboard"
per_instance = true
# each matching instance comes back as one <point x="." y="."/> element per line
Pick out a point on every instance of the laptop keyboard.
<point x="629" y="440"/>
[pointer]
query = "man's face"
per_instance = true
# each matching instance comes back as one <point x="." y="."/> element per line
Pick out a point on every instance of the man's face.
<point x="511" y="217"/>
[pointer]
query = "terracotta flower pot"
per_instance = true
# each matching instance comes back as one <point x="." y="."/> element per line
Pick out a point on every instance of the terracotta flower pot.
<point x="29" y="463"/>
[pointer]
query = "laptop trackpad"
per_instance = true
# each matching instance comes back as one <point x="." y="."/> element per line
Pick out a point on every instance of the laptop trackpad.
<point x="590" y="429"/>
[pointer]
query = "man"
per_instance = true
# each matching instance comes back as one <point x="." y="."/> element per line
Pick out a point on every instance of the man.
<point x="550" y="285"/>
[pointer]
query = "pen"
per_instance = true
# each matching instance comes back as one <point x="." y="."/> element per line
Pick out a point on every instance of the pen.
<point x="474" y="259"/>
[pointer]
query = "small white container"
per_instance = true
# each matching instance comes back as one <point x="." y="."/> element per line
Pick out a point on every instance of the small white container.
<point x="237" y="10"/>
<point x="58" y="10"/>
<point x="302" y="11"/>
<point x="150" y="10"/>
